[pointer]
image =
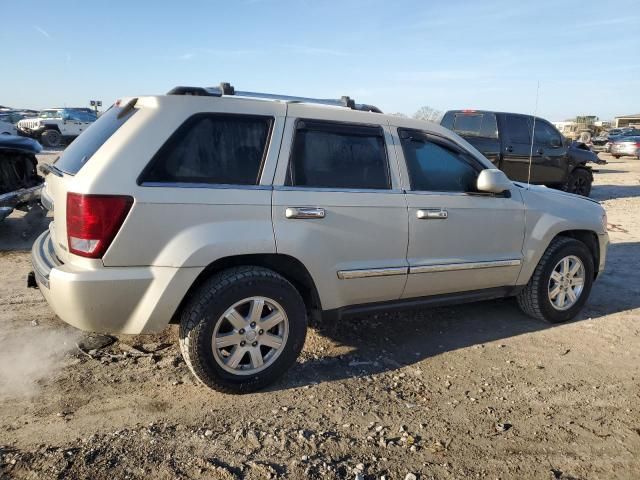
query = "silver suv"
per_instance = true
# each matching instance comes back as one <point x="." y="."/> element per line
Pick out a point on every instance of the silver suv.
<point x="237" y="215"/>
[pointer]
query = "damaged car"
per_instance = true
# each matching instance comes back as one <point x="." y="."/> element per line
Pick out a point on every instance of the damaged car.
<point x="20" y="183"/>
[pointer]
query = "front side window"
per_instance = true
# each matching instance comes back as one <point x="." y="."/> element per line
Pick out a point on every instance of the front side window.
<point x="437" y="167"/>
<point x="334" y="155"/>
<point x="213" y="149"/>
<point x="545" y="134"/>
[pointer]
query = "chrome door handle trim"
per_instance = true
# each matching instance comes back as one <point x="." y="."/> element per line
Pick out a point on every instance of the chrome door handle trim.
<point x="432" y="214"/>
<point x="304" y="212"/>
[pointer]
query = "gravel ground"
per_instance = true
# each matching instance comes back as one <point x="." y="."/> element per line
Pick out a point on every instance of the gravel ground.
<point x="477" y="390"/>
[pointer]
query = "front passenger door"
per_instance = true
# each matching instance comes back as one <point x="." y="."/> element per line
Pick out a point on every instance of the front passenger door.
<point x="548" y="144"/>
<point x="459" y="239"/>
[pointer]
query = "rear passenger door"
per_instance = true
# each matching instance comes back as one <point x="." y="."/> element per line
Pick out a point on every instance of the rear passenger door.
<point x="548" y="146"/>
<point x="339" y="209"/>
<point x="516" y="145"/>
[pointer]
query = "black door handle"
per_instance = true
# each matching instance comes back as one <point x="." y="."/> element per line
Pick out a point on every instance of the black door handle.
<point x="540" y="151"/>
<point x="509" y="149"/>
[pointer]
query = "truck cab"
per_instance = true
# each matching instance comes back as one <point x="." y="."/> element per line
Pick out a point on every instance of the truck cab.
<point x="506" y="140"/>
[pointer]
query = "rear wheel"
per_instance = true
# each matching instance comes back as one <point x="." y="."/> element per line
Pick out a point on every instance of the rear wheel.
<point x="579" y="182"/>
<point x="561" y="282"/>
<point x="242" y="329"/>
<point x="51" y="138"/>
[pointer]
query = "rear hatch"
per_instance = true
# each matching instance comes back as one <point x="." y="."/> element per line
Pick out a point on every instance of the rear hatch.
<point x="63" y="172"/>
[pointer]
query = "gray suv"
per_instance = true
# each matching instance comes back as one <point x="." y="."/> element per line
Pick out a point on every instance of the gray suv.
<point x="237" y="215"/>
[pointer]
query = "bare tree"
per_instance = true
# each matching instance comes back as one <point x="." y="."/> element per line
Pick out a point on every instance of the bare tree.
<point x="429" y="114"/>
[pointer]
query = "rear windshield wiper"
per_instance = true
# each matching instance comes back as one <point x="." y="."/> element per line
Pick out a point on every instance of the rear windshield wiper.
<point x="48" y="168"/>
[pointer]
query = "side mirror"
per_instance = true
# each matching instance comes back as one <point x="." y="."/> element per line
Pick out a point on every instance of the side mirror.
<point x="556" y="143"/>
<point x="492" y="180"/>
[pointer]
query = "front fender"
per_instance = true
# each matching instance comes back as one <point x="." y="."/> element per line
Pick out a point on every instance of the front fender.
<point x="549" y="213"/>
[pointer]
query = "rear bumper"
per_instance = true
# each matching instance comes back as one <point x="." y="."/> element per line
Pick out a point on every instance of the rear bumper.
<point x="626" y="150"/>
<point x="127" y="300"/>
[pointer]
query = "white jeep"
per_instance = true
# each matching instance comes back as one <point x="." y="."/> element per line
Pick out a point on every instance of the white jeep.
<point x="237" y="215"/>
<point x="56" y="126"/>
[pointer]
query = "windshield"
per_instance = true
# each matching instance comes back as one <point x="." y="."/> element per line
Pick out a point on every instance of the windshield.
<point x="50" y="114"/>
<point x="82" y="148"/>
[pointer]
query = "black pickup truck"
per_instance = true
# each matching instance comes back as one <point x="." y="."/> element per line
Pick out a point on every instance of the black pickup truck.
<point x="505" y="139"/>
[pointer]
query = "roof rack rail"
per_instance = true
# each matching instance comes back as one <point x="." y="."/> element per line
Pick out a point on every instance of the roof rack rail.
<point x="226" y="89"/>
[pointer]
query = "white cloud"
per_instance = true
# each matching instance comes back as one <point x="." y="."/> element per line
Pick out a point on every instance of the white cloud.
<point x="42" y="31"/>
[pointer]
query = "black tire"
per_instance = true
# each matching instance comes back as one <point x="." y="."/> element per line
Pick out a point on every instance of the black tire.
<point x="51" y="138"/>
<point x="616" y="157"/>
<point x="579" y="182"/>
<point x="534" y="299"/>
<point x="204" y="310"/>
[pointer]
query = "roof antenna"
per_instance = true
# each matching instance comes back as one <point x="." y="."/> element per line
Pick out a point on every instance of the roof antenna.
<point x="533" y="131"/>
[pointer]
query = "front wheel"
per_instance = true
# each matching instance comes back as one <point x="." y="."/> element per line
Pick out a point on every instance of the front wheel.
<point x="242" y="329"/>
<point x="579" y="182"/>
<point x="51" y="138"/>
<point x="561" y="282"/>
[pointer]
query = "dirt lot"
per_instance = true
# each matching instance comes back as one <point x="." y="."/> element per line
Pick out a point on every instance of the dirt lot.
<point x="473" y="391"/>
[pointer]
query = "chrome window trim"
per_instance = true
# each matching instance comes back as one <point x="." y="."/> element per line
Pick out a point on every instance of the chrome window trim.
<point x="373" y="272"/>
<point x="215" y="186"/>
<point x="450" y="267"/>
<point x="286" y="188"/>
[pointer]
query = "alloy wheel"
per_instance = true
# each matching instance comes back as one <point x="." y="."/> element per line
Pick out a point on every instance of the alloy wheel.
<point x="250" y="335"/>
<point x="566" y="283"/>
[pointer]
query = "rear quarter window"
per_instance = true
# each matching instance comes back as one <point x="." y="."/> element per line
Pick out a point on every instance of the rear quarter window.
<point x="87" y="144"/>
<point x="220" y="149"/>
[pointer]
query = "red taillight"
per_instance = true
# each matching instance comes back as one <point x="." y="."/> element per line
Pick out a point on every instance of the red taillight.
<point x="638" y="144"/>
<point x="93" y="221"/>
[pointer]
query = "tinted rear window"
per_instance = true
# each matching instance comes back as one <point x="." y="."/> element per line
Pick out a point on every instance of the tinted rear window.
<point x="518" y="129"/>
<point x="472" y="124"/>
<point x="82" y="148"/>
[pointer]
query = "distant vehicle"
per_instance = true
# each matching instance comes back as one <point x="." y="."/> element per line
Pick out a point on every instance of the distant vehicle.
<point x="57" y="125"/>
<point x="505" y="139"/>
<point x="20" y="183"/>
<point x="626" y="146"/>
<point x="7" y="128"/>
<point x="620" y="134"/>
<point x="12" y="116"/>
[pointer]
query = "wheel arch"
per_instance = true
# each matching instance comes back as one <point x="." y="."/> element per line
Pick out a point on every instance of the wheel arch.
<point x="583" y="167"/>
<point x="289" y="267"/>
<point x="590" y="239"/>
<point x="51" y="127"/>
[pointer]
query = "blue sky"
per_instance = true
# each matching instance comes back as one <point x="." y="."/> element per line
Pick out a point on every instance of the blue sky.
<point x="398" y="55"/>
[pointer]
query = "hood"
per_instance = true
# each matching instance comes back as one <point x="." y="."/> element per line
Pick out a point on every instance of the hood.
<point x="554" y="193"/>
<point x="20" y="144"/>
